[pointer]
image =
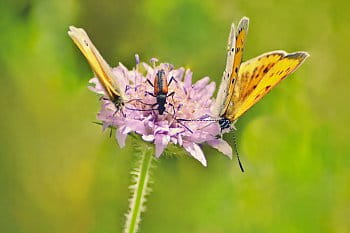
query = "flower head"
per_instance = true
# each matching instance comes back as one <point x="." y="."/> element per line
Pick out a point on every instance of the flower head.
<point x="140" y="114"/>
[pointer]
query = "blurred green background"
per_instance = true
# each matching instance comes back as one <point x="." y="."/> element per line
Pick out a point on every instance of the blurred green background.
<point x="59" y="173"/>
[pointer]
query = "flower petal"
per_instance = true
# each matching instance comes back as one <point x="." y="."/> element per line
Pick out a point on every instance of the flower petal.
<point x="221" y="146"/>
<point x="191" y="101"/>
<point x="188" y="79"/>
<point x="161" y="141"/>
<point x="97" y="87"/>
<point x="148" y="138"/>
<point x="121" y="134"/>
<point x="200" y="84"/>
<point x="196" y="152"/>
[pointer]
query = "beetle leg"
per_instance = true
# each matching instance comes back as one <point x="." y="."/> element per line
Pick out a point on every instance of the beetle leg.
<point x="150" y="93"/>
<point x="172" y="79"/>
<point x="171" y="94"/>
<point x="150" y="83"/>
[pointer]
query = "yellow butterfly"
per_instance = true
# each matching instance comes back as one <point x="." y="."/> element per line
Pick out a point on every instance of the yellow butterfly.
<point x="99" y="66"/>
<point x="244" y="84"/>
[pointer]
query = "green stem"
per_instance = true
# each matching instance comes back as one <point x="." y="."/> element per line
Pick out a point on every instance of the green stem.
<point x="139" y="190"/>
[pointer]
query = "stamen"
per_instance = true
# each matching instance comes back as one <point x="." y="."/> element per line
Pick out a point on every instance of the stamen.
<point x="137" y="58"/>
<point x="153" y="61"/>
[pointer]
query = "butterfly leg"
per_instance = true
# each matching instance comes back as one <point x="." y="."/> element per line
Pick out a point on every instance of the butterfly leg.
<point x="123" y="113"/>
<point x="110" y="132"/>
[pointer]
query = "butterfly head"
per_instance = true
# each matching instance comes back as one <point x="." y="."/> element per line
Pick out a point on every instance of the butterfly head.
<point x="224" y="123"/>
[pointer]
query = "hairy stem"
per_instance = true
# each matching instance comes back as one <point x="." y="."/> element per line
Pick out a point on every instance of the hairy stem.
<point x="139" y="189"/>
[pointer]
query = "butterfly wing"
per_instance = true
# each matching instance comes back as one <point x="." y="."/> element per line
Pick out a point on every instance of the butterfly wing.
<point x="99" y="66"/>
<point x="240" y="38"/>
<point x="252" y="71"/>
<point x="259" y="75"/>
<point x="224" y="85"/>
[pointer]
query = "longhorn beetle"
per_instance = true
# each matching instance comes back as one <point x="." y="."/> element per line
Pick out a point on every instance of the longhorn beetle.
<point x="160" y="86"/>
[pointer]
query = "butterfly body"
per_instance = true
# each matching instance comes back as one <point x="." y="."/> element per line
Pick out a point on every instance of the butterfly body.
<point x="99" y="66"/>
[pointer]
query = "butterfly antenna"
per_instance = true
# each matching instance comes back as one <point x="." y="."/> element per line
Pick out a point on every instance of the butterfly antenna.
<point x="196" y="120"/>
<point x="178" y="121"/>
<point x="236" y="150"/>
<point x="97" y="123"/>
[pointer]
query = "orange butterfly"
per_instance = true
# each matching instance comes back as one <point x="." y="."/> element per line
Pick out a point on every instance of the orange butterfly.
<point x="244" y="84"/>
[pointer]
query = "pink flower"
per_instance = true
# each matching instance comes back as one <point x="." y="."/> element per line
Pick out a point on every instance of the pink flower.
<point x="190" y="101"/>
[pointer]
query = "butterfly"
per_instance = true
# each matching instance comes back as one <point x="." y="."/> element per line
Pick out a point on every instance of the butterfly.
<point x="244" y="84"/>
<point x="99" y="66"/>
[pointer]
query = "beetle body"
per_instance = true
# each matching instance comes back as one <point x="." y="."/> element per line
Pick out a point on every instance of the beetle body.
<point x="160" y="85"/>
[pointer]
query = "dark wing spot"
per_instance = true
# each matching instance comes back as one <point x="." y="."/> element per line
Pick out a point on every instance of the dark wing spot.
<point x="267" y="87"/>
<point x="266" y="69"/>
<point x="256" y="97"/>
<point x="233" y="49"/>
<point x="236" y="70"/>
<point x="254" y="71"/>
<point x="254" y="87"/>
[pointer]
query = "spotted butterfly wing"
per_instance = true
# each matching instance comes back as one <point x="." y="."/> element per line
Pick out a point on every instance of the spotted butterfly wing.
<point x="258" y="76"/>
<point x="252" y="71"/>
<point x="224" y="85"/>
<point x="233" y="62"/>
<point x="99" y="66"/>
